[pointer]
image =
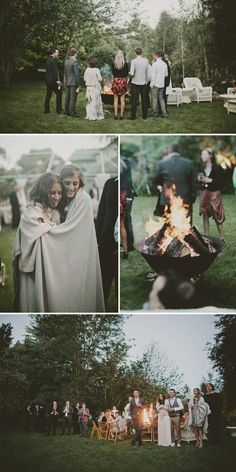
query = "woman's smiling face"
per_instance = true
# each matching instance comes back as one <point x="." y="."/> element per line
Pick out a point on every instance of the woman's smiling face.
<point x="71" y="185"/>
<point x="55" y="195"/>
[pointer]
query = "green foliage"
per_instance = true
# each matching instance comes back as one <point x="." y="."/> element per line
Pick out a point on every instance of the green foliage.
<point x="149" y="150"/>
<point x="223" y="355"/>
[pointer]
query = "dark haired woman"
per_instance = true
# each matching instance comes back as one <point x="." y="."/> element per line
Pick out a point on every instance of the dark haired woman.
<point x="119" y="82"/>
<point x="39" y="217"/>
<point x="164" y="426"/>
<point x="63" y="261"/>
<point x="211" y="180"/>
<point x="93" y="78"/>
<point x="198" y="411"/>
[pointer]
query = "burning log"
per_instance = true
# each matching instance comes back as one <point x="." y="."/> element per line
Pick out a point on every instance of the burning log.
<point x="175" y="248"/>
<point x="195" y="233"/>
<point x="198" y="247"/>
<point x="156" y="238"/>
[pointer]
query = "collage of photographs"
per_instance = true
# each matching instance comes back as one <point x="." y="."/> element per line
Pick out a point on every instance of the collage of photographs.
<point x="117" y="236"/>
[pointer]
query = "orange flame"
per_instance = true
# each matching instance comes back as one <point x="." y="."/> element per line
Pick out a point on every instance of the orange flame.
<point x="177" y="216"/>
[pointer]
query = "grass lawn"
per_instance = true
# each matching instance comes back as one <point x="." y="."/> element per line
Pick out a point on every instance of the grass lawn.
<point x="22" y="112"/>
<point x="7" y="237"/>
<point x="39" y="453"/>
<point x="219" y="281"/>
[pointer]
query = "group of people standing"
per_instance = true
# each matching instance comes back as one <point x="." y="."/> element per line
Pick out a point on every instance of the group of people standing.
<point x="73" y="418"/>
<point x="141" y="75"/>
<point x="72" y="82"/>
<point x="204" y="416"/>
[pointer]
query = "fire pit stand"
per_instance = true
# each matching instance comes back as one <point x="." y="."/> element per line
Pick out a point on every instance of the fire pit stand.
<point x="187" y="265"/>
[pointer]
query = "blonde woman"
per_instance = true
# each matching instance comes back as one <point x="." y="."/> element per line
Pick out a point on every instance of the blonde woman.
<point x="119" y="83"/>
<point x="198" y="412"/>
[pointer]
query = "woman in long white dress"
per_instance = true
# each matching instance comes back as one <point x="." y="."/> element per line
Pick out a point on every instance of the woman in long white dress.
<point x="198" y="412"/>
<point x="164" y="426"/>
<point x="93" y="78"/>
<point x="57" y="266"/>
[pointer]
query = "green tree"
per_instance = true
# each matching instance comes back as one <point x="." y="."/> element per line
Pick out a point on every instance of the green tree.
<point x="223" y="356"/>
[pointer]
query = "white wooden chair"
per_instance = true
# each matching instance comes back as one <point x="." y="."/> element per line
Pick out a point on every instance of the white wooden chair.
<point x="231" y="104"/>
<point x="198" y="92"/>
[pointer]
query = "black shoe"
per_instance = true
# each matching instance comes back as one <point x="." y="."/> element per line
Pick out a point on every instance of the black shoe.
<point x="131" y="118"/>
<point x="125" y="256"/>
<point x="116" y="117"/>
<point x="46" y="111"/>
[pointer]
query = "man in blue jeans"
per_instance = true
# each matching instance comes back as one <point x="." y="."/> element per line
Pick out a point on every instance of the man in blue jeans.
<point x="159" y="73"/>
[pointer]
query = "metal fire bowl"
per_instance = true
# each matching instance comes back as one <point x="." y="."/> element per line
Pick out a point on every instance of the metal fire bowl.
<point x="187" y="265"/>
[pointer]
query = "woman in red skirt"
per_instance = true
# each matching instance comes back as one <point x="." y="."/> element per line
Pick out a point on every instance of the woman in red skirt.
<point x="119" y="82"/>
<point x="211" y="180"/>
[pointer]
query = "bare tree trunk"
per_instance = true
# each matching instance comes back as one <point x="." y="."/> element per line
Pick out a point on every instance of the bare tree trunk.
<point x="206" y="63"/>
<point x="6" y="73"/>
<point x="182" y="48"/>
<point x="164" y="40"/>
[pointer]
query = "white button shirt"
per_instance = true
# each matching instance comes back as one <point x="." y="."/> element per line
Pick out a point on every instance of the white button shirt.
<point x="159" y="72"/>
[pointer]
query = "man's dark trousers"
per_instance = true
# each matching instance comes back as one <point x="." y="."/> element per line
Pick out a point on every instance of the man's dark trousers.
<point x="50" y="89"/>
<point x="135" y="91"/>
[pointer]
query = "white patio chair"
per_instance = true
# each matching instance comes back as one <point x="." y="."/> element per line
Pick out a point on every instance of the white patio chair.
<point x="231" y="104"/>
<point x="198" y="92"/>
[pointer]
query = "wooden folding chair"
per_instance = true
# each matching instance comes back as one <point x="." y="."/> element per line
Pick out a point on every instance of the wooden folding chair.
<point x="147" y="434"/>
<point x="95" y="430"/>
<point x="103" y="431"/>
<point x="112" y="433"/>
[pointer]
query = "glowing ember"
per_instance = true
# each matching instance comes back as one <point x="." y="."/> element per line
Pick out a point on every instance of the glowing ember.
<point x="146" y="418"/>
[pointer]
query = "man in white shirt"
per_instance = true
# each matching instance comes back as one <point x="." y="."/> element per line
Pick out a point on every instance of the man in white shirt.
<point x="128" y="417"/>
<point x="139" y="73"/>
<point x="175" y="408"/>
<point x="159" y="73"/>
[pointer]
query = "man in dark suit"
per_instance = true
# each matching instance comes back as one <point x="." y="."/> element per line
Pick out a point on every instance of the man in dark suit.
<point x="53" y="81"/>
<point x="53" y="418"/>
<point x="214" y="401"/>
<point x="71" y="82"/>
<point x="126" y="183"/>
<point x="15" y="205"/>
<point x="178" y="171"/>
<point x="136" y="411"/>
<point x="105" y="226"/>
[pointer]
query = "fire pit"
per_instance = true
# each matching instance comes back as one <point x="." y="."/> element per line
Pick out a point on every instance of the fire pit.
<point x="186" y="265"/>
<point x="175" y="244"/>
